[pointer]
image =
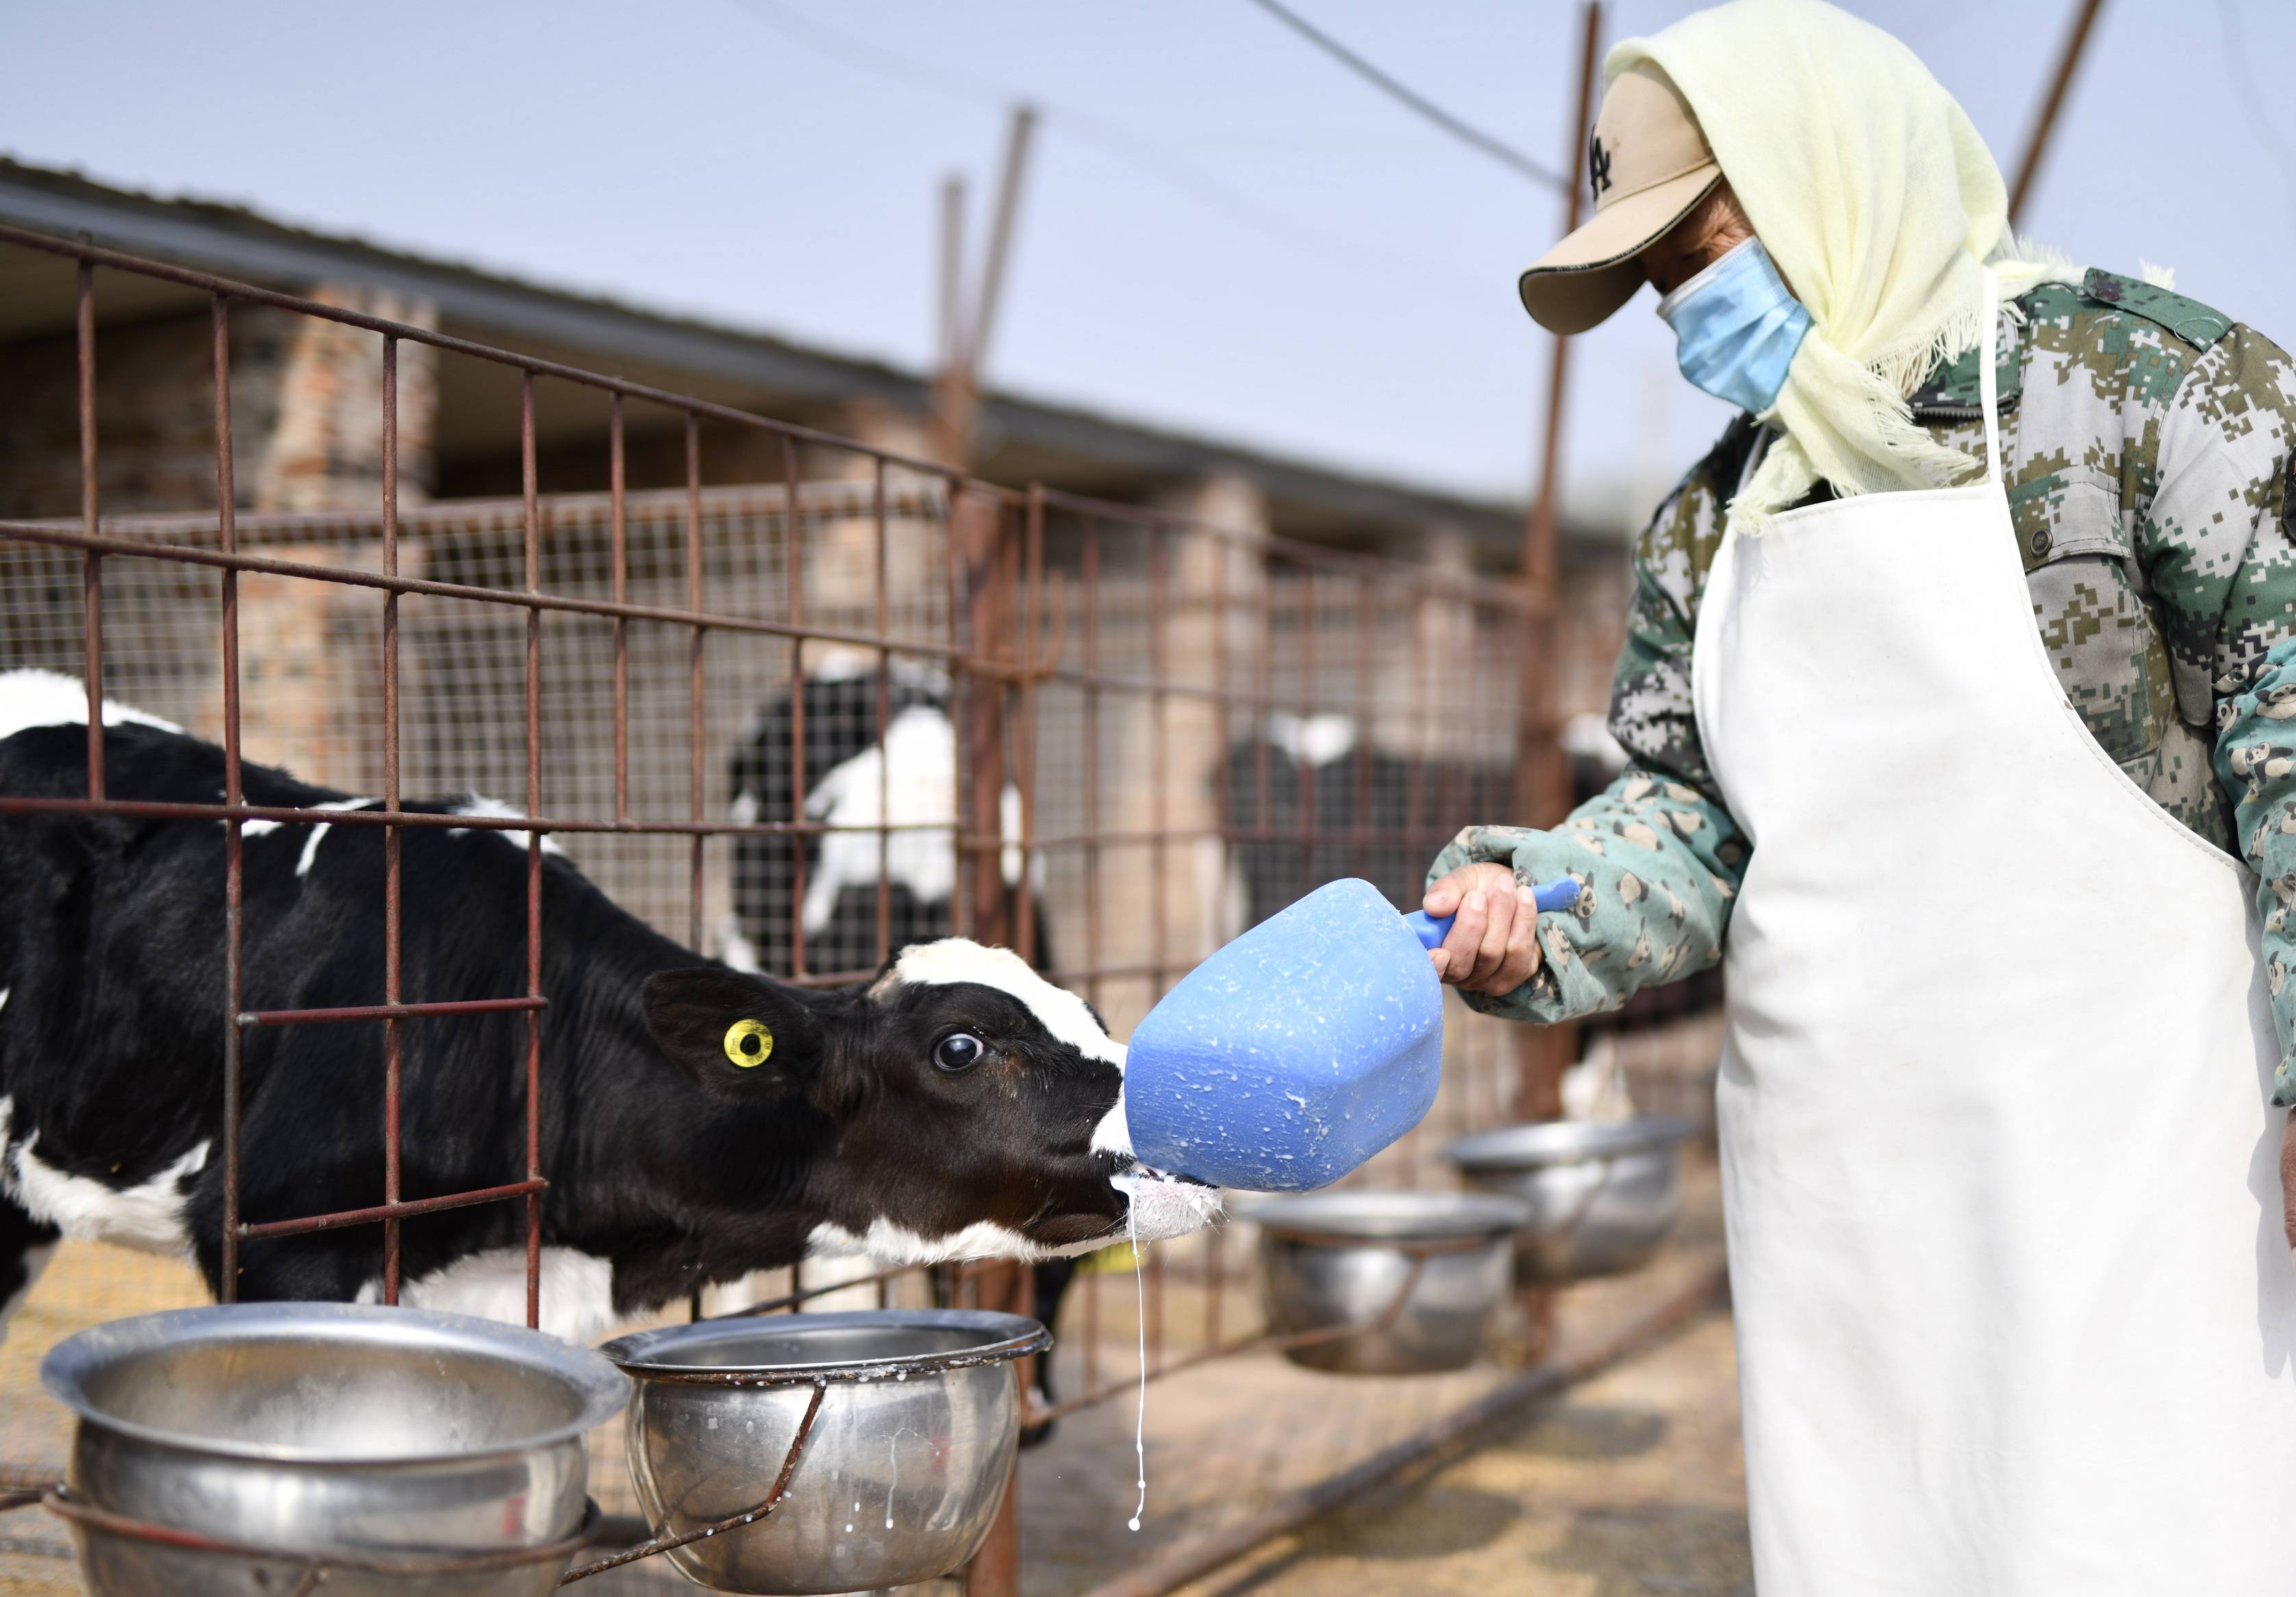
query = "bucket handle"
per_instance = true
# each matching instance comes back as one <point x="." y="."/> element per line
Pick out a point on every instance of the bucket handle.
<point x="660" y="1542"/>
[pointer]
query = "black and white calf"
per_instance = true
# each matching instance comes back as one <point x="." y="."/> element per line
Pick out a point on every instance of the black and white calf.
<point x="910" y="784"/>
<point x="698" y="1123"/>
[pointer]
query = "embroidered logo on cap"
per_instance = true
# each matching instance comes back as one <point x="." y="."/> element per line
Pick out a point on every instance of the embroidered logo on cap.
<point x="1598" y="165"/>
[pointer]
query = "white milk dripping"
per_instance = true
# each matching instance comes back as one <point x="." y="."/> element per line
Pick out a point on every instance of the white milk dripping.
<point x="1140" y="1323"/>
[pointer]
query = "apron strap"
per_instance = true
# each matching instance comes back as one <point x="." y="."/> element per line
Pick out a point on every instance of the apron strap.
<point x="1989" y="378"/>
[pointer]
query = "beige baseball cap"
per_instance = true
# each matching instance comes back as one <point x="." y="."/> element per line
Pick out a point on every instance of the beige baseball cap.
<point x="1647" y="165"/>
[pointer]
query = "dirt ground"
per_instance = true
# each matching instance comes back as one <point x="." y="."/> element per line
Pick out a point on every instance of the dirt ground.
<point x="1631" y="1484"/>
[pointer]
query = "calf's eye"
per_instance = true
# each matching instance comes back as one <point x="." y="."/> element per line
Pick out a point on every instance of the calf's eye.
<point x="748" y="1044"/>
<point x="958" y="1050"/>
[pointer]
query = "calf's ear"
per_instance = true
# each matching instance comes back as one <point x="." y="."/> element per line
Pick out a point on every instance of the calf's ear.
<point x="733" y="1032"/>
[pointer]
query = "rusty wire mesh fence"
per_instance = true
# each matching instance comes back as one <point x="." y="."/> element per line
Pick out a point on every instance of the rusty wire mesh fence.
<point x="795" y="723"/>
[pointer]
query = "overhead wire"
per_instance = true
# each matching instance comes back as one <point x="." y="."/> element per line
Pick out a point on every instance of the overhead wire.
<point x="1174" y="170"/>
<point x="1466" y="133"/>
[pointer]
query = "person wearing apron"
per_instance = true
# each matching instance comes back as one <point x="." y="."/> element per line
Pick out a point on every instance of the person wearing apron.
<point x="2006" y="1226"/>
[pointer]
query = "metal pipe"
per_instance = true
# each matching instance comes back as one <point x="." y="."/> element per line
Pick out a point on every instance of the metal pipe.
<point x="392" y="908"/>
<point x="693" y="722"/>
<point x="794" y="579"/>
<point x="234" y="863"/>
<point x="389" y="1212"/>
<point x="530" y="488"/>
<point x="91" y="563"/>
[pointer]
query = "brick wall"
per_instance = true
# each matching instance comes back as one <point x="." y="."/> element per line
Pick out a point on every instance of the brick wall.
<point x="305" y="401"/>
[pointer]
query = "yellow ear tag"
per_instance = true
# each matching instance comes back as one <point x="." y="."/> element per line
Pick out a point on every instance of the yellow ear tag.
<point x="748" y="1044"/>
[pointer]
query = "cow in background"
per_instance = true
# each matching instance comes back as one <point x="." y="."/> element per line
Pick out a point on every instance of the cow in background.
<point x="851" y="782"/>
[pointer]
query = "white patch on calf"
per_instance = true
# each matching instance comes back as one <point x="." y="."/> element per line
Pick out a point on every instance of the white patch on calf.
<point x="952" y="961"/>
<point x="495" y="809"/>
<point x="914" y="777"/>
<point x="895" y="1244"/>
<point x="148" y="1214"/>
<point x="4" y="996"/>
<point x="1113" y="1135"/>
<point x="737" y="950"/>
<point x="1161" y="1209"/>
<point x="31" y="697"/>
<point x="1312" y="740"/>
<point x="578" y="1291"/>
<point x="311" y="848"/>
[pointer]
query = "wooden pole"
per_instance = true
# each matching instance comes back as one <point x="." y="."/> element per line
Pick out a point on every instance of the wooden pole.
<point x="980" y="531"/>
<point x="2068" y="61"/>
<point x="1542" y="773"/>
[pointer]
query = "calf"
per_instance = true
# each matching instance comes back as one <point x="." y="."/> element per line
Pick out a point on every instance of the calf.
<point x="698" y="1123"/>
<point x="910" y="783"/>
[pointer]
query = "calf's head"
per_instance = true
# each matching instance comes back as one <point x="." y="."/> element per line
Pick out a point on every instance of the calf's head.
<point x="976" y="1109"/>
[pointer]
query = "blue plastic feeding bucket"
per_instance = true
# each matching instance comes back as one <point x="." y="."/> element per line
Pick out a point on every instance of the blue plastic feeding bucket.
<point x="1299" y="1050"/>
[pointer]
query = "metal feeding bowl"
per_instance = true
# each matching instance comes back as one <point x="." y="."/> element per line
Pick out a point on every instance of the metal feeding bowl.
<point x="230" y="1450"/>
<point x="1384" y="1283"/>
<point x="914" y="1421"/>
<point x="1603" y="1194"/>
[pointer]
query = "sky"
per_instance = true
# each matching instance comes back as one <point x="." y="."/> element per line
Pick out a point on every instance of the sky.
<point x="1223" y="233"/>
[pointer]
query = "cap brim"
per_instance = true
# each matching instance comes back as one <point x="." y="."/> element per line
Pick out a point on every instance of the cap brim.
<point x="1593" y="271"/>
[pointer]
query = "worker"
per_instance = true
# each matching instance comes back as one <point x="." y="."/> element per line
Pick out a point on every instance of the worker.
<point x="1959" y="690"/>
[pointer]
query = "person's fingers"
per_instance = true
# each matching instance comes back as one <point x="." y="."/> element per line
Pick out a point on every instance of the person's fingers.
<point x="2288" y="1181"/>
<point x="1444" y="897"/>
<point x="1491" y="954"/>
<point x="1521" y="946"/>
<point x="1464" y="937"/>
<point x="1451" y="890"/>
<point x="1441" y="961"/>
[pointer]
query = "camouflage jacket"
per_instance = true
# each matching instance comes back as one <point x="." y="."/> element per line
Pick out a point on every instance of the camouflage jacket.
<point x="2147" y="441"/>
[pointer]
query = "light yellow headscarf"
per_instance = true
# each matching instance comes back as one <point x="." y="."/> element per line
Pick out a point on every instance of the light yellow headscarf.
<point x="1872" y="191"/>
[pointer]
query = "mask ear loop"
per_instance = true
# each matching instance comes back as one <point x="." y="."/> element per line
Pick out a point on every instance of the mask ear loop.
<point x="1989" y="378"/>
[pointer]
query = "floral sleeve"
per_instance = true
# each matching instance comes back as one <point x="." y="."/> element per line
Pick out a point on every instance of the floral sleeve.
<point x="1657" y="856"/>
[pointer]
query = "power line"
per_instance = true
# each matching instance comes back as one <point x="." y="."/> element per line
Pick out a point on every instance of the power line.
<point x="1474" y="138"/>
<point x="1174" y="170"/>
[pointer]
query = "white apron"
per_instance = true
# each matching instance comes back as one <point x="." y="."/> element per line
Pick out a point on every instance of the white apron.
<point x="2014" y="1313"/>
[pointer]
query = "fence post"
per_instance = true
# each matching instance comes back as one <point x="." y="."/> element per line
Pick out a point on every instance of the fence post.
<point x="985" y="556"/>
<point x="1542" y="773"/>
<point x="994" y="1570"/>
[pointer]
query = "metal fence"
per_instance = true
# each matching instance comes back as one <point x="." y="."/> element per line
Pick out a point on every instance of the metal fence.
<point x="1161" y="731"/>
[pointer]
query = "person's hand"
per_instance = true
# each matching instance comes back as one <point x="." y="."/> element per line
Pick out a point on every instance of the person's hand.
<point x="1492" y="946"/>
<point x="2287" y="1179"/>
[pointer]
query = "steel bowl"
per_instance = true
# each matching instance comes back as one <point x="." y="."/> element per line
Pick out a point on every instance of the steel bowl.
<point x="1603" y="1194"/>
<point x="1331" y="1260"/>
<point x="899" y="1477"/>
<point x="326" y="1429"/>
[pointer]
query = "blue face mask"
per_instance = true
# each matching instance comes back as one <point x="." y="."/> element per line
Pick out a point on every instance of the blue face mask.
<point x="1736" y="328"/>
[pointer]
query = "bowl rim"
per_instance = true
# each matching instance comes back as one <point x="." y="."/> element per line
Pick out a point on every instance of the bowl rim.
<point x="1311" y="1216"/>
<point x="1005" y="1337"/>
<point x="1532" y="1144"/>
<point x="601" y="1390"/>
